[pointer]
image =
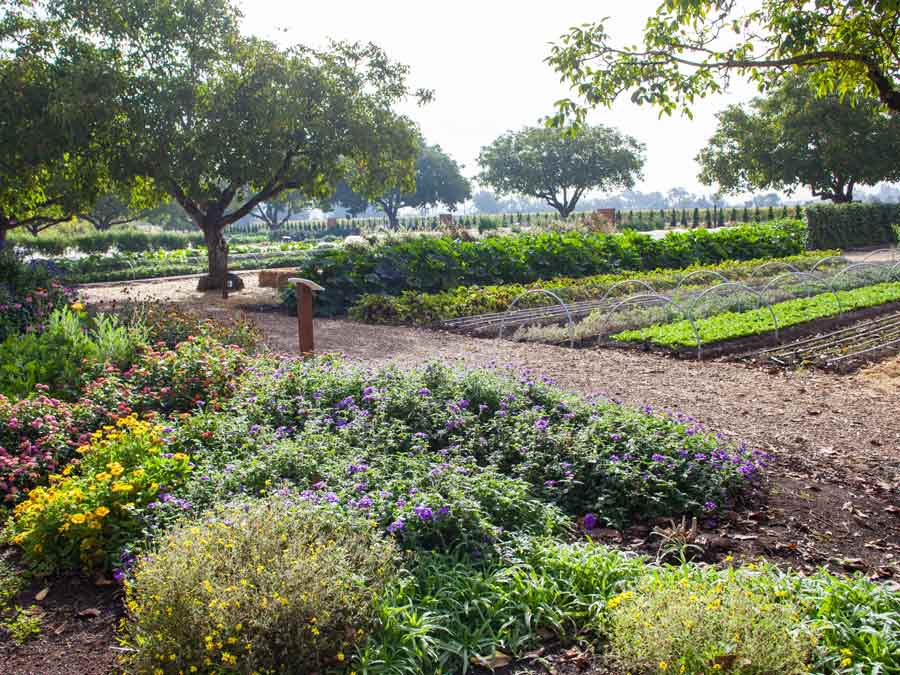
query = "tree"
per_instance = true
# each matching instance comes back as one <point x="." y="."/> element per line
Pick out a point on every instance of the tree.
<point x="691" y="48"/>
<point x="56" y="130"/>
<point x="112" y="209"/>
<point x="224" y="122"/>
<point x="344" y="196"/>
<point x="792" y="137"/>
<point x="277" y="211"/>
<point x="486" y="202"/>
<point x="559" y="167"/>
<point x="438" y="180"/>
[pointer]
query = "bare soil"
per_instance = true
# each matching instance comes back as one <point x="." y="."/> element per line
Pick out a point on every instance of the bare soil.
<point x="833" y="497"/>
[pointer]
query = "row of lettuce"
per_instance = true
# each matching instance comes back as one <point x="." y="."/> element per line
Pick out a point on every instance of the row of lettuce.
<point x="312" y="517"/>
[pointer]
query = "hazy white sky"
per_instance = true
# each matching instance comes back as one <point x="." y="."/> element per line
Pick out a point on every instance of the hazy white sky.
<point x="485" y="62"/>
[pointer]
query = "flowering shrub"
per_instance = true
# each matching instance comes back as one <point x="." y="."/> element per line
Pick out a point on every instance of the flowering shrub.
<point x="171" y="325"/>
<point x="265" y="586"/>
<point x="676" y="621"/>
<point x="91" y="509"/>
<point x="28" y="296"/>
<point x="602" y="458"/>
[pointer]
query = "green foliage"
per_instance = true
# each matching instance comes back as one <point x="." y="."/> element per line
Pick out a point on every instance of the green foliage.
<point x="794" y="137"/>
<point x="125" y="240"/>
<point x="730" y="325"/>
<point x="24" y="624"/>
<point x="427" y="308"/>
<point x="558" y="167"/>
<point x="691" y="48"/>
<point x="11" y="583"/>
<point x="450" y="610"/>
<point x="264" y="586"/>
<point x="438" y="180"/>
<point x="849" y="225"/>
<point x="679" y="622"/>
<point x="435" y="264"/>
<point x="172" y="325"/>
<point x="63" y="355"/>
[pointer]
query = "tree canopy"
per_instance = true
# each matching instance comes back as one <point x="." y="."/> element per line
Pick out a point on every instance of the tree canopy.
<point x="224" y="122"/>
<point x="438" y="180"/>
<point x="792" y="137"/>
<point x="276" y="211"/>
<point x="691" y="48"/>
<point x="560" y="167"/>
<point x="56" y="129"/>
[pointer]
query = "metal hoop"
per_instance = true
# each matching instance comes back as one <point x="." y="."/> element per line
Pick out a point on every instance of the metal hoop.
<point x="806" y="275"/>
<point x="861" y="265"/>
<point x="627" y="282"/>
<point x="699" y="273"/>
<point x="666" y="300"/>
<point x="827" y="258"/>
<point x="553" y="295"/>
<point x="773" y="263"/>
<point x="892" y="251"/>
<point x="734" y="284"/>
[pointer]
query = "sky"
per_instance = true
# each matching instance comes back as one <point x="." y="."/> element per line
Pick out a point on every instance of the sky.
<point x="485" y="62"/>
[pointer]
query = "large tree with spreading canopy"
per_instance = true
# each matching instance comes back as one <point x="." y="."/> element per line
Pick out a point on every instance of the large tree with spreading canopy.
<point x="791" y="137"/>
<point x="560" y="167"/>
<point x="223" y="122"/>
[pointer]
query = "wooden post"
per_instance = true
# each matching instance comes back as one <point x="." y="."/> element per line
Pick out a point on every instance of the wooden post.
<point x="304" y="289"/>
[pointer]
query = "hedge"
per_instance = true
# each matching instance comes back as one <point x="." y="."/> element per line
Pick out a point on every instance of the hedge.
<point x="427" y="308"/>
<point x="126" y="240"/>
<point x="436" y="264"/>
<point x="850" y="225"/>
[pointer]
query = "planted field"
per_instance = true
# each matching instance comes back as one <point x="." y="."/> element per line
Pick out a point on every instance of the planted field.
<point x="731" y="325"/>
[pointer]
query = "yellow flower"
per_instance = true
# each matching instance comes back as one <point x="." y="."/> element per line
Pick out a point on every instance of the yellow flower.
<point x="122" y="487"/>
<point x="101" y="511"/>
<point x="77" y="306"/>
<point x="103" y="476"/>
<point x="115" y="468"/>
<point x="663" y="665"/>
<point x="77" y="518"/>
<point x="340" y="656"/>
<point x="846" y="662"/>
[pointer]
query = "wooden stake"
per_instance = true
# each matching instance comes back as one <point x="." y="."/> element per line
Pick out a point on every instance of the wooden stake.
<point x="304" y="288"/>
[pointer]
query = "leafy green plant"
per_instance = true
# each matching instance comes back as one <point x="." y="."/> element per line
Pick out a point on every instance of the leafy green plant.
<point x="848" y="225"/>
<point x="24" y="624"/>
<point x="263" y="586"/>
<point x="427" y="308"/>
<point x="436" y="264"/>
<point x="730" y="325"/>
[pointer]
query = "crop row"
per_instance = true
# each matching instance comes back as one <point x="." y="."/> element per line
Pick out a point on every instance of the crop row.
<point x="428" y="308"/>
<point x="731" y="325"/>
<point x="436" y="264"/>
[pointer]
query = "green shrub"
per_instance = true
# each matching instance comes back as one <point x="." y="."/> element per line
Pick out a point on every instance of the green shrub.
<point x="171" y="325"/>
<point x="434" y="264"/>
<point x="850" y="225"/>
<point x="124" y="239"/>
<point x="63" y="356"/>
<point x="263" y="586"/>
<point x="682" y="621"/>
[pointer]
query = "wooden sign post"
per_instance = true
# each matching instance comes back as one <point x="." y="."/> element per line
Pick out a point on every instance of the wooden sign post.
<point x="304" y="289"/>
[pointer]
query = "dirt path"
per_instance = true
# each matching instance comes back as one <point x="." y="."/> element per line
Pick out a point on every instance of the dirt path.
<point x="835" y="439"/>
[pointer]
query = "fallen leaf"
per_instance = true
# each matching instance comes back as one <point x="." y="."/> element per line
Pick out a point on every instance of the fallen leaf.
<point x="41" y="594"/>
<point x="498" y="660"/>
<point x="91" y="613"/>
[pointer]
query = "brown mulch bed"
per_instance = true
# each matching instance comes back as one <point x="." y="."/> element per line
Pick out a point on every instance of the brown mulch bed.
<point x="834" y="492"/>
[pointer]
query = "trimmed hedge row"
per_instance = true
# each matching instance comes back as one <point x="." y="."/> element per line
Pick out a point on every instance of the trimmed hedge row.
<point x="427" y="308"/>
<point x="435" y="264"/>
<point x="126" y="240"/>
<point x="849" y="225"/>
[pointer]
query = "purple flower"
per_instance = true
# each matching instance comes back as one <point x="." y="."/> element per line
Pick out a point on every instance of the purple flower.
<point x="396" y="526"/>
<point x="710" y="506"/>
<point x="331" y="497"/>
<point x="364" y="503"/>
<point x="590" y="521"/>
<point x="656" y="457"/>
<point x="542" y="424"/>
<point x="423" y="512"/>
<point x="424" y="391"/>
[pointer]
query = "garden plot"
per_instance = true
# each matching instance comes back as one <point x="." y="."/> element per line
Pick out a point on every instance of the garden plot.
<point x="707" y="313"/>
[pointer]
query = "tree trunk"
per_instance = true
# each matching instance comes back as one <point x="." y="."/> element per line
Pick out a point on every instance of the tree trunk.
<point x="391" y="214"/>
<point x="217" y="257"/>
